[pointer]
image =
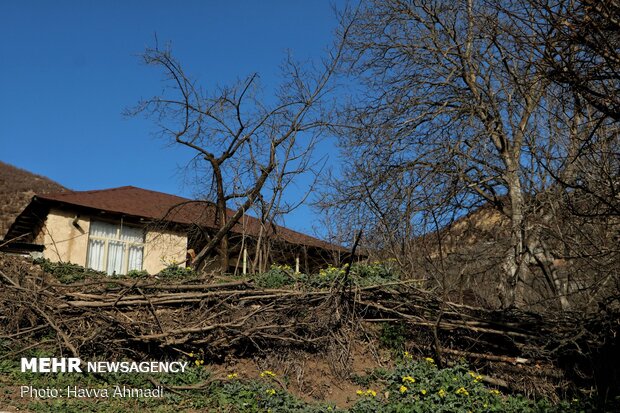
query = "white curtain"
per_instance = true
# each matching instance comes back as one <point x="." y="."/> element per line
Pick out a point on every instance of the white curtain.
<point x="102" y="230"/>
<point x="116" y="254"/>
<point x="119" y="243"/>
<point x="96" y="247"/>
<point x="133" y="235"/>
<point x="96" y="254"/>
<point x="134" y="260"/>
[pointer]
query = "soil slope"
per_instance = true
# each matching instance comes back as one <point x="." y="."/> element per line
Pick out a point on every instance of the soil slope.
<point x="17" y="187"/>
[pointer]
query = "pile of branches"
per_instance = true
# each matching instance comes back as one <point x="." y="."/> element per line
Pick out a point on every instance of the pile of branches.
<point x="138" y="318"/>
<point x="143" y="318"/>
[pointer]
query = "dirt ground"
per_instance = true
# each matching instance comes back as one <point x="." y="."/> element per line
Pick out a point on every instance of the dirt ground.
<point x="313" y="377"/>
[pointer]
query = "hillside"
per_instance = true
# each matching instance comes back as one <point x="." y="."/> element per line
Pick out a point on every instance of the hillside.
<point x="17" y="187"/>
<point x="287" y="342"/>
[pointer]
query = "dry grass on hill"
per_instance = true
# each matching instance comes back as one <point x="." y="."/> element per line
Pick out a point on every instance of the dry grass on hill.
<point x="17" y="187"/>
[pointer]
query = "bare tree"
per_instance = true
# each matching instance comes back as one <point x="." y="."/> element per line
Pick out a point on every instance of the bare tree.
<point x="237" y="137"/>
<point x="454" y="108"/>
<point x="582" y="49"/>
<point x="274" y="203"/>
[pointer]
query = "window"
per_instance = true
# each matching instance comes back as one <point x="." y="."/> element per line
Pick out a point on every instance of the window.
<point x="114" y="248"/>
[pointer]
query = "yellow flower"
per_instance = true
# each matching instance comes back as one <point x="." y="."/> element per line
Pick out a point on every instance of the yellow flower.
<point x="232" y="376"/>
<point x="359" y="392"/>
<point x="423" y="391"/>
<point x="495" y="392"/>
<point x="370" y="392"/>
<point x="463" y="391"/>
<point x="191" y="354"/>
<point x="403" y="389"/>
<point x="408" y="379"/>
<point x="441" y="393"/>
<point x="475" y="376"/>
<point x="270" y="392"/>
<point x="407" y="355"/>
<point x="268" y="373"/>
<point x="430" y="360"/>
<point x="199" y="362"/>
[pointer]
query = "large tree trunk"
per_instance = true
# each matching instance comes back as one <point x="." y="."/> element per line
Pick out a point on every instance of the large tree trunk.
<point x="510" y="288"/>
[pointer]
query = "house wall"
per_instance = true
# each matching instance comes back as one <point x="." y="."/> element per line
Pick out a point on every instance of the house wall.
<point x="66" y="242"/>
<point x="163" y="248"/>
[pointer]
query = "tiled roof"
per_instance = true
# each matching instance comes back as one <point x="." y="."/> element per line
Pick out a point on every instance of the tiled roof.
<point x="153" y="205"/>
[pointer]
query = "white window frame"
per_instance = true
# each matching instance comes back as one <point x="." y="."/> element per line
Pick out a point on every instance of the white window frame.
<point x="126" y="244"/>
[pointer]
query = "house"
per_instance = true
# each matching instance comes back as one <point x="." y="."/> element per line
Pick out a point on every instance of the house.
<point x="122" y="229"/>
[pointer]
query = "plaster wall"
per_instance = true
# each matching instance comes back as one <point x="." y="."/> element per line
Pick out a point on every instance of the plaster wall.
<point x="163" y="248"/>
<point x="65" y="238"/>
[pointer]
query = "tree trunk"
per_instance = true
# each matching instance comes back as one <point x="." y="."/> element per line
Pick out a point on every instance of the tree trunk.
<point x="229" y="223"/>
<point x="221" y="218"/>
<point x="510" y="289"/>
<point x="543" y="258"/>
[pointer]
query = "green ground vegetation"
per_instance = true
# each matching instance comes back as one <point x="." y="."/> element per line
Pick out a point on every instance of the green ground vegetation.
<point x="410" y="386"/>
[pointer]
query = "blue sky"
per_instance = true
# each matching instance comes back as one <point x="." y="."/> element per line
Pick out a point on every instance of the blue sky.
<point x="70" y="68"/>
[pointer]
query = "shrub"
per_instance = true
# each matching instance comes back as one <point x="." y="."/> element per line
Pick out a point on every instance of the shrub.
<point x="176" y="271"/>
<point x="374" y="273"/>
<point x="66" y="273"/>
<point x="360" y="275"/>
<point x="324" y="279"/>
<point x="393" y="335"/>
<point x="277" y="276"/>
<point x="138" y="274"/>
